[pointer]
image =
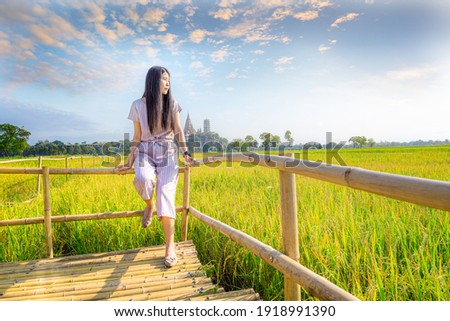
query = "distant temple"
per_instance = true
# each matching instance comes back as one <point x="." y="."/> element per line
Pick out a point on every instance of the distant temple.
<point x="188" y="128"/>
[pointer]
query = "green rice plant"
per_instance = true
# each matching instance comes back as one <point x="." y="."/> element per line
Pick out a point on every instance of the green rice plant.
<point x="373" y="247"/>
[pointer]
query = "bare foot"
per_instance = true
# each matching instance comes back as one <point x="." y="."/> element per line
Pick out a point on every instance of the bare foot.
<point x="148" y="215"/>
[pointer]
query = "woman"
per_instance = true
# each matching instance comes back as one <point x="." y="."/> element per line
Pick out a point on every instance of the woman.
<point x="156" y="119"/>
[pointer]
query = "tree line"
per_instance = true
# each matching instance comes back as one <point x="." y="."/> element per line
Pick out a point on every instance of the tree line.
<point x="13" y="142"/>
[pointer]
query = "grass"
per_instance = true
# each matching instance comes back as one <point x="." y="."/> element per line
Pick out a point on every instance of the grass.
<point x="373" y="247"/>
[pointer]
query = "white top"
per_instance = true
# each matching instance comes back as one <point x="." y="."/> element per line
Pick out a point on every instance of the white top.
<point x="138" y="112"/>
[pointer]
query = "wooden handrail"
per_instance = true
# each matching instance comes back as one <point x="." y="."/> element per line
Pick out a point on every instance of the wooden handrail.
<point x="421" y="191"/>
<point x="316" y="285"/>
<point x="69" y="171"/>
<point x="77" y="217"/>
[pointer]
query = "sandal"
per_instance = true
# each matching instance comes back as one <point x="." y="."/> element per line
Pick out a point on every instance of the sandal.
<point x="148" y="216"/>
<point x="170" y="261"/>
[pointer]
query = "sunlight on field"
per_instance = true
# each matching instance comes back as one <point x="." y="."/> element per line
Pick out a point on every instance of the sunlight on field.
<point x="373" y="247"/>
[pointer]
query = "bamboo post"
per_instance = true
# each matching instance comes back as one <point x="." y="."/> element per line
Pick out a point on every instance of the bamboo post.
<point x="47" y="212"/>
<point x="289" y="224"/>
<point x="186" y="191"/>
<point x="38" y="188"/>
<point x="67" y="166"/>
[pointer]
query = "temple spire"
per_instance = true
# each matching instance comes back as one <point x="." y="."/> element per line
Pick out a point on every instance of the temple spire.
<point x="188" y="128"/>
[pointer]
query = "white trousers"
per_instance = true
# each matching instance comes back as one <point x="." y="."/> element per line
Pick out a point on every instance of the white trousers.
<point x="155" y="165"/>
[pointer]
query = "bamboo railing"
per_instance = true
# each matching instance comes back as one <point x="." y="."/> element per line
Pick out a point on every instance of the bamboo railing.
<point x="420" y="191"/>
<point x="316" y="285"/>
<point x="39" y="165"/>
<point x="427" y="192"/>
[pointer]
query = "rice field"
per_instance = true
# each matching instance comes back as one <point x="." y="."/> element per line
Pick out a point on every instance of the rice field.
<point x="373" y="247"/>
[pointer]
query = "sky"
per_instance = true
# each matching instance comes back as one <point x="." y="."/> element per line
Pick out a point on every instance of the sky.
<point x="70" y="70"/>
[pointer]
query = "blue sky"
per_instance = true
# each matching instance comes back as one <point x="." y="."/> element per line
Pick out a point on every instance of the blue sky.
<point x="70" y="69"/>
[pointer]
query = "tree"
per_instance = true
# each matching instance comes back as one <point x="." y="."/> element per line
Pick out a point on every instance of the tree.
<point x="88" y="149"/>
<point x="288" y="137"/>
<point x="358" y="141"/>
<point x="269" y="140"/>
<point x="207" y="140"/>
<point x="76" y="149"/>
<point x="61" y="147"/>
<point x="13" y="140"/>
<point x="330" y="145"/>
<point x="235" y="146"/>
<point x="249" y="142"/>
<point x="371" y="142"/>
<point x="312" y="145"/>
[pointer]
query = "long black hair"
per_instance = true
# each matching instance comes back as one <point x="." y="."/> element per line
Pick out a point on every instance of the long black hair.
<point x="159" y="106"/>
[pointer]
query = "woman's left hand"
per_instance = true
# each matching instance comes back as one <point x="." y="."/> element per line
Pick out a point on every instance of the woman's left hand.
<point x="189" y="160"/>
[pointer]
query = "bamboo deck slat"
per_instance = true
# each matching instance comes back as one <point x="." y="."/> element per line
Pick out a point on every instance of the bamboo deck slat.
<point x="136" y="274"/>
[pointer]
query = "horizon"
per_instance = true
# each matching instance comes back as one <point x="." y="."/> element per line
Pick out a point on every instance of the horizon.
<point x="379" y="69"/>
<point x="259" y="141"/>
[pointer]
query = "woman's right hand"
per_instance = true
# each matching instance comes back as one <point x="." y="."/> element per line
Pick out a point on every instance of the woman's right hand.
<point x="122" y="168"/>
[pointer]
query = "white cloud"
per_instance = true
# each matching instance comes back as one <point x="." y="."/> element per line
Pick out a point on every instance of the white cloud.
<point x="307" y="15"/>
<point x="167" y="39"/>
<point x="284" y="60"/>
<point x="268" y="4"/>
<point x="200" y="68"/>
<point x="170" y="4"/>
<point x="229" y="3"/>
<point x="237" y="73"/>
<point x="132" y="14"/>
<point x="348" y="17"/>
<point x="108" y="34"/>
<point x="418" y="73"/>
<point x="142" y="42"/>
<point x="122" y="29"/>
<point x="154" y="16"/>
<point x="233" y="74"/>
<point x="319" y="4"/>
<point x="282" y="64"/>
<point x="163" y="27"/>
<point x="96" y="14"/>
<point x="253" y="32"/>
<point x="151" y="52"/>
<point x="239" y="29"/>
<point x="196" y="65"/>
<point x="220" y="55"/>
<point x="224" y="14"/>
<point x="281" y="13"/>
<point x="15" y="12"/>
<point x="44" y="26"/>
<point x="198" y="35"/>
<point x="323" y="48"/>
<point x="6" y="48"/>
<point x="44" y="35"/>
